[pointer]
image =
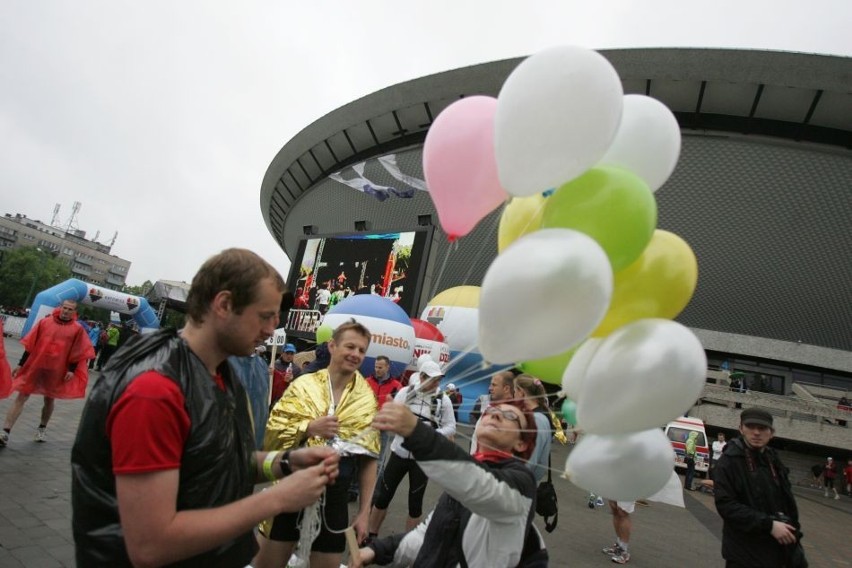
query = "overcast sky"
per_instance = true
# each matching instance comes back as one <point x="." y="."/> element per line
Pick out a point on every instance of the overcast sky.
<point x="161" y="117"/>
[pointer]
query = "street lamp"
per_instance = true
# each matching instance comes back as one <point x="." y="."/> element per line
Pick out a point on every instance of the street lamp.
<point x="27" y="302"/>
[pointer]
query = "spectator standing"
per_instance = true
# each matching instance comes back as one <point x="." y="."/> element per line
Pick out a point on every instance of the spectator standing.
<point x="95" y="338"/>
<point x="383" y="386"/>
<point x="718" y="447"/>
<point x="286" y="370"/>
<point x="55" y="364"/>
<point x="333" y="406"/>
<point x="164" y="467"/>
<point x="500" y="389"/>
<point x="829" y="474"/>
<point x="456" y="399"/>
<point x="5" y="370"/>
<point x="847" y="474"/>
<point x="622" y="523"/>
<point x="690" y="448"/>
<point x="755" y="500"/>
<point x="110" y="347"/>
<point x="431" y="406"/>
<point x="531" y="392"/>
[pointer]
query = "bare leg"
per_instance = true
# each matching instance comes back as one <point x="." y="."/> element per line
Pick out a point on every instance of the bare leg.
<point x="15" y="411"/>
<point x="412" y="522"/>
<point x="623" y="524"/>
<point x="326" y="559"/>
<point x="272" y="553"/>
<point x="47" y="409"/>
<point x="377" y="517"/>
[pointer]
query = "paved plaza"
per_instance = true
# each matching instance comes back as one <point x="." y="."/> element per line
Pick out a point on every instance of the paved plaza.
<point x="35" y="509"/>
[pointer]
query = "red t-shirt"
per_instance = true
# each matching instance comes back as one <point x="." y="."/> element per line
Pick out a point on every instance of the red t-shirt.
<point x="148" y="425"/>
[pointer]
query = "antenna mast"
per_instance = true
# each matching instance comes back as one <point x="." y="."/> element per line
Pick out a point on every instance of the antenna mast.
<point x="72" y="221"/>
<point x="54" y="222"/>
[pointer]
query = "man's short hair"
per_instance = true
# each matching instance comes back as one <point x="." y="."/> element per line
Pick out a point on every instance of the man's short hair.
<point x="351" y="325"/>
<point x="508" y="378"/>
<point x="238" y="271"/>
<point x="384" y="358"/>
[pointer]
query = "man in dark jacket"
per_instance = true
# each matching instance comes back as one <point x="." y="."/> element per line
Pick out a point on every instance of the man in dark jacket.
<point x="755" y="501"/>
<point x="484" y="517"/>
<point x="164" y="467"/>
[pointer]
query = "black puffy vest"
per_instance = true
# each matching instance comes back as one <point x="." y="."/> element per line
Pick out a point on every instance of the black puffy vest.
<point x="217" y="466"/>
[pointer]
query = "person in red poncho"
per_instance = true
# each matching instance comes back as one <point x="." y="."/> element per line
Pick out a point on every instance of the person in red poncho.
<point x="5" y="370"/>
<point x="54" y="365"/>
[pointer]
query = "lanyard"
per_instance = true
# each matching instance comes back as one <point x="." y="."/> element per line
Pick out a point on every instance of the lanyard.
<point x="332" y="405"/>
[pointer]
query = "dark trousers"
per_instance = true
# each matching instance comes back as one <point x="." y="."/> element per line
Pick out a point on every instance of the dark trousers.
<point x="690" y="473"/>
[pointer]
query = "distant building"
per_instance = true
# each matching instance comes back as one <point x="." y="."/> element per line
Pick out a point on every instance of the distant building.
<point x="89" y="261"/>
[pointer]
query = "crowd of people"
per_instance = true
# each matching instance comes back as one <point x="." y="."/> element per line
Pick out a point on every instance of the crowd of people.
<point x="168" y="452"/>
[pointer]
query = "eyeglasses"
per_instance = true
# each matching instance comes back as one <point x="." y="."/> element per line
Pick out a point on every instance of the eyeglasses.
<point x="506" y="414"/>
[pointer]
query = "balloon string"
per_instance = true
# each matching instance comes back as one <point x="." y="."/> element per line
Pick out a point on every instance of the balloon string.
<point x="450" y="247"/>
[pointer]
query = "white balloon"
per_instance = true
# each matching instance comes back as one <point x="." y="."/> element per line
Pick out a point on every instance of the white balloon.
<point x="644" y="374"/>
<point x="621" y="467"/>
<point x="647" y="142"/>
<point x="542" y="295"/>
<point x="557" y="114"/>
<point x="575" y="372"/>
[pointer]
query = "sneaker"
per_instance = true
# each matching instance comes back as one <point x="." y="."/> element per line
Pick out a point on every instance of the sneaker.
<point x="4" y="438"/>
<point x="40" y="435"/>
<point x="612" y="550"/>
<point x="622" y="557"/>
<point x="591" y="501"/>
<point x="599" y="502"/>
<point x="837" y="497"/>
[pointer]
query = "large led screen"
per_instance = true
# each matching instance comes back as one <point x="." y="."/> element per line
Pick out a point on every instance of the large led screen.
<point x="389" y="264"/>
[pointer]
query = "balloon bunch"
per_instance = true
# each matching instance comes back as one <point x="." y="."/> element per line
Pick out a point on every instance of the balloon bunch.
<point x="585" y="287"/>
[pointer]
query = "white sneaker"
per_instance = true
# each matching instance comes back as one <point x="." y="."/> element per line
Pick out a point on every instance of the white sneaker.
<point x="40" y="435"/>
<point x="4" y="438"/>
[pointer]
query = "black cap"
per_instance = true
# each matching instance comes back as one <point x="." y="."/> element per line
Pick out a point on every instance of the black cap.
<point x="756" y="416"/>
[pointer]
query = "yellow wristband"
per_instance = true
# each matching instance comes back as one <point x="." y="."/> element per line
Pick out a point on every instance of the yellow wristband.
<point x="271" y="458"/>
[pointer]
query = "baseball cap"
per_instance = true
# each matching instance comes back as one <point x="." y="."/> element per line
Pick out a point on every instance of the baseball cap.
<point x="756" y="416"/>
<point x="289" y="348"/>
<point x="431" y="369"/>
<point x="451" y="387"/>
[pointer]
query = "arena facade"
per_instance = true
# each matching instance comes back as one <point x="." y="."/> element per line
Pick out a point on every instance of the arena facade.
<point x="762" y="193"/>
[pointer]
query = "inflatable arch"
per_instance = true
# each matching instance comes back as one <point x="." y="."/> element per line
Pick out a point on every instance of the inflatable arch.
<point x="93" y="295"/>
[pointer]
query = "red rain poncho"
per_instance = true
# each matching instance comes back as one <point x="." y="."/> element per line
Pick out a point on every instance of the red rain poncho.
<point x="53" y="345"/>
<point x="5" y="370"/>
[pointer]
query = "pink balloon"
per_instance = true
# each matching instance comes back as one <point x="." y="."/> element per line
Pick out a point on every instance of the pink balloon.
<point x="460" y="166"/>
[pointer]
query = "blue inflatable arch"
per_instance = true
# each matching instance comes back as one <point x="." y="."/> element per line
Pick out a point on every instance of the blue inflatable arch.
<point x="93" y="295"/>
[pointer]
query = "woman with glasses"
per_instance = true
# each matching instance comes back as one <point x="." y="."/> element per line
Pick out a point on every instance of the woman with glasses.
<point x="484" y="517"/>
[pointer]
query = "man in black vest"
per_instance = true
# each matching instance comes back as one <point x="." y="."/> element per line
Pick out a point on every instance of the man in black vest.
<point x="164" y="467"/>
<point x="755" y="500"/>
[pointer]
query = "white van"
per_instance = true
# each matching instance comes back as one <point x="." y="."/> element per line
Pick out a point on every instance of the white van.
<point x="677" y="431"/>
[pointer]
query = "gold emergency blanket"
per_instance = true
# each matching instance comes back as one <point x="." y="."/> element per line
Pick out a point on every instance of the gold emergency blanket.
<point x="309" y="398"/>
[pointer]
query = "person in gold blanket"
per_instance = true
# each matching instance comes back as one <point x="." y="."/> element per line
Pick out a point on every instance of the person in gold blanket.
<point x="334" y="406"/>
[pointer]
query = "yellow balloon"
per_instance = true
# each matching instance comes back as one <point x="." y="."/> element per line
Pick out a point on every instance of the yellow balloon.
<point x="521" y="216"/>
<point x="659" y="284"/>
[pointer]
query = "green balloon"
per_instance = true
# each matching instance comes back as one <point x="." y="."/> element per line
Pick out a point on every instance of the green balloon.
<point x="569" y="411"/>
<point x="613" y="206"/>
<point x="324" y="333"/>
<point x="548" y="369"/>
